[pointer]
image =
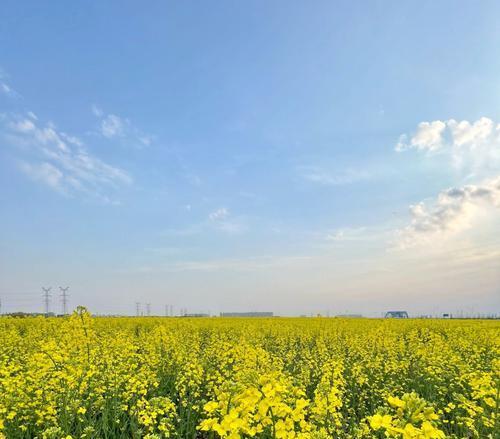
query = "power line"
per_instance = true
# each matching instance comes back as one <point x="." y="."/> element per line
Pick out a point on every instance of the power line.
<point x="46" y="299"/>
<point x="18" y="293"/>
<point x="64" y="298"/>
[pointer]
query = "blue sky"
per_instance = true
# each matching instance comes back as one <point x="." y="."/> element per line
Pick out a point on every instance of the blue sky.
<point x="224" y="156"/>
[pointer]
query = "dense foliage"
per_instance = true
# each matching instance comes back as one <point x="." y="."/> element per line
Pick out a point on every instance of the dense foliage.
<point x="84" y="377"/>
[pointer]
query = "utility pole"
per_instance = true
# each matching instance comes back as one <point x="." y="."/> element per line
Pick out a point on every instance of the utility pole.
<point x="46" y="299"/>
<point x="148" y="309"/>
<point x="64" y="299"/>
<point x="137" y="309"/>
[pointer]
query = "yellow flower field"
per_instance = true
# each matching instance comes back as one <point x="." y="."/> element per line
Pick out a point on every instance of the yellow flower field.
<point x="84" y="377"/>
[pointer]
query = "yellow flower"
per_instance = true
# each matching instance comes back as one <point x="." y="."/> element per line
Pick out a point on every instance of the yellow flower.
<point x="431" y="432"/>
<point x="210" y="407"/>
<point x="396" y="402"/>
<point x="380" y="421"/>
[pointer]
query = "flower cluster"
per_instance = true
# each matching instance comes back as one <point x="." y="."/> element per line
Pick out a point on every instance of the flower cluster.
<point x="409" y="417"/>
<point x="271" y="407"/>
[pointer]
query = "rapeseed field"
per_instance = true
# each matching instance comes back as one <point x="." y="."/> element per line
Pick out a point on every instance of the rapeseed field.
<point x="317" y="378"/>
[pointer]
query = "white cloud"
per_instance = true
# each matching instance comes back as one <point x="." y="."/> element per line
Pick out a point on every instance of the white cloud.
<point x="472" y="150"/>
<point x="470" y="135"/>
<point x="454" y="210"/>
<point x="112" y="126"/>
<point x="472" y="147"/>
<point x="429" y="136"/>
<point x="218" y="214"/>
<point x="61" y="161"/>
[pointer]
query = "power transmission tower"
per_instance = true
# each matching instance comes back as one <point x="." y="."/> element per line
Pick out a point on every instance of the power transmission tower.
<point x="137" y="309"/>
<point x="64" y="298"/>
<point x="46" y="299"/>
<point x="148" y="309"/>
<point x="171" y="310"/>
<point x="166" y="310"/>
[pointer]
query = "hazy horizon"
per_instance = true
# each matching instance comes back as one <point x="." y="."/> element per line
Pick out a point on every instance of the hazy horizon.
<point x="256" y="156"/>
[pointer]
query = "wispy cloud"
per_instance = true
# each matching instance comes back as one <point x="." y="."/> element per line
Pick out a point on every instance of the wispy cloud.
<point x="60" y="161"/>
<point x="347" y="234"/>
<point x="190" y="230"/>
<point x="222" y="220"/>
<point x="219" y="219"/>
<point x="231" y="227"/>
<point x="218" y="214"/>
<point x="317" y="175"/>
<point x="45" y="173"/>
<point x="250" y="264"/>
<point x="5" y="87"/>
<point x="112" y="126"/>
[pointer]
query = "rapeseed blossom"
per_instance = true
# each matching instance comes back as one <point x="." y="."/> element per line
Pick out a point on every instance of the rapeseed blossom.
<point x="87" y="377"/>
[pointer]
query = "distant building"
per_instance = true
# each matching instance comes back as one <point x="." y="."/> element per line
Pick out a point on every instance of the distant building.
<point x="349" y="316"/>
<point x="200" y="314"/>
<point x="21" y="314"/>
<point x="396" y="315"/>
<point x="246" y="314"/>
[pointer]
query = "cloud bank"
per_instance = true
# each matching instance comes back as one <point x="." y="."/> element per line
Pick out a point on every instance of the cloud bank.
<point x="454" y="210"/>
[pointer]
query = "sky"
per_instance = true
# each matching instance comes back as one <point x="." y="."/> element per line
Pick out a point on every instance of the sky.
<point x="286" y="156"/>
